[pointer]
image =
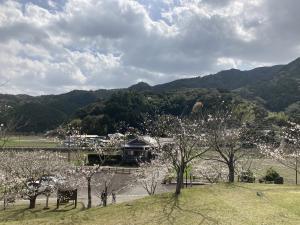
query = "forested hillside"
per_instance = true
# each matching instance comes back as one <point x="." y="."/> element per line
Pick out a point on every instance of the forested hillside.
<point x="273" y="88"/>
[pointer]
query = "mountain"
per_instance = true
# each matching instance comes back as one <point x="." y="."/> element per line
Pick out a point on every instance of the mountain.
<point x="282" y="90"/>
<point x="141" y="86"/>
<point x="23" y="113"/>
<point x="275" y="87"/>
<point x="227" y="79"/>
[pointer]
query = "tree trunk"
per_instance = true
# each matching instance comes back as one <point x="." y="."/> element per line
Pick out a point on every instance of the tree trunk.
<point x="47" y="202"/>
<point x="105" y="196"/>
<point x="4" y="202"/>
<point x="231" y="172"/>
<point x="179" y="180"/>
<point x="32" y="201"/>
<point x="89" y="205"/>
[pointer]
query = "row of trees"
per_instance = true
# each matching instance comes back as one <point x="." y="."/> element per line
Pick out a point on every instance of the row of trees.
<point x="30" y="174"/>
<point x="228" y="138"/>
<point x="225" y="137"/>
<point x="216" y="138"/>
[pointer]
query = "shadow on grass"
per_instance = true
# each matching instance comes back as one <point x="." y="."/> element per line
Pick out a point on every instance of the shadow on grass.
<point x="174" y="205"/>
<point x="67" y="208"/>
<point x="173" y="209"/>
<point x="13" y="216"/>
<point x="16" y="213"/>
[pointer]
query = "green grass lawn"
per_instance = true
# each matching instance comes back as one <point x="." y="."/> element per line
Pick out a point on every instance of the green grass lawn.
<point x="29" y="141"/>
<point x="238" y="204"/>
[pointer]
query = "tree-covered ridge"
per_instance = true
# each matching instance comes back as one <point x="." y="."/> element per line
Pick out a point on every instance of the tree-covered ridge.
<point x="133" y="108"/>
<point x="275" y="88"/>
<point x="282" y="90"/>
<point x="227" y="79"/>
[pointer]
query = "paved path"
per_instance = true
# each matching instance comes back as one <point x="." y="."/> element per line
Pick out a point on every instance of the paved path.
<point x="129" y="194"/>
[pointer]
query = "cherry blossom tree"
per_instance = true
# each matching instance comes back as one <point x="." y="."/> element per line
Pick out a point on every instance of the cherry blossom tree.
<point x="8" y="183"/>
<point x="286" y="149"/>
<point x="207" y="171"/>
<point x="150" y="173"/>
<point x="86" y="172"/>
<point x="188" y="142"/>
<point x="111" y="182"/>
<point x="32" y="170"/>
<point x="72" y="138"/>
<point x="227" y="139"/>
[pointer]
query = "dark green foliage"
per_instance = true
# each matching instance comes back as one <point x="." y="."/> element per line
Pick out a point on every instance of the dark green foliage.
<point x="293" y="112"/>
<point x="278" y="180"/>
<point x="36" y="117"/>
<point x="272" y="176"/>
<point x="282" y="90"/>
<point x="227" y="80"/>
<point x="42" y="113"/>
<point x="141" y="86"/>
<point x="93" y="125"/>
<point x="130" y="107"/>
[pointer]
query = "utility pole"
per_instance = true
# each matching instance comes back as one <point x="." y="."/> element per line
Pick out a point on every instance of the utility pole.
<point x="296" y="169"/>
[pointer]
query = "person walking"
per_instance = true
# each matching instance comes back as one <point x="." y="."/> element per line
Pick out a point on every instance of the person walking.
<point x="102" y="198"/>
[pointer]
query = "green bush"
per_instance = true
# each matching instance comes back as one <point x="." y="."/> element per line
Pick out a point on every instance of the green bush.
<point x="247" y="176"/>
<point x="278" y="180"/>
<point x="272" y="176"/>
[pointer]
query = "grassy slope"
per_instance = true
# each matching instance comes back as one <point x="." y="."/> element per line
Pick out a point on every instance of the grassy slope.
<point x="216" y="204"/>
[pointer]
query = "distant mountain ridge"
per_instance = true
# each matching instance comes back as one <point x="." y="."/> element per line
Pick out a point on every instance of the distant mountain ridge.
<point x="227" y="79"/>
<point x="276" y="87"/>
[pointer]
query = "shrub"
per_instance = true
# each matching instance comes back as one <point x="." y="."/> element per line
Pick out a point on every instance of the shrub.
<point x="247" y="176"/>
<point x="278" y="180"/>
<point x="271" y="174"/>
<point x="261" y="180"/>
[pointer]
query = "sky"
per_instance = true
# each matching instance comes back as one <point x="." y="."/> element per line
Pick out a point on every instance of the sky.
<point x="51" y="47"/>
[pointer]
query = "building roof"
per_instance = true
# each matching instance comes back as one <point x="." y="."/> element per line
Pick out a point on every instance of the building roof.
<point x="142" y="141"/>
<point x="115" y="136"/>
<point x="147" y="141"/>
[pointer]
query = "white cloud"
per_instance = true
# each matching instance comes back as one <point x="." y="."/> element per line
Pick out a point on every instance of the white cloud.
<point x="55" y="46"/>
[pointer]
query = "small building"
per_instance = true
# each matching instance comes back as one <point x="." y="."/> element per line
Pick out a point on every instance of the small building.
<point x="138" y="149"/>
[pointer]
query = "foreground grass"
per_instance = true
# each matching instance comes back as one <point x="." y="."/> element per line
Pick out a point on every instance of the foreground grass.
<point x="217" y="204"/>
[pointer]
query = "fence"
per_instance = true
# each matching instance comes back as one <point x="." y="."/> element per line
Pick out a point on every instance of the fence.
<point x="121" y="170"/>
<point x="53" y="149"/>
